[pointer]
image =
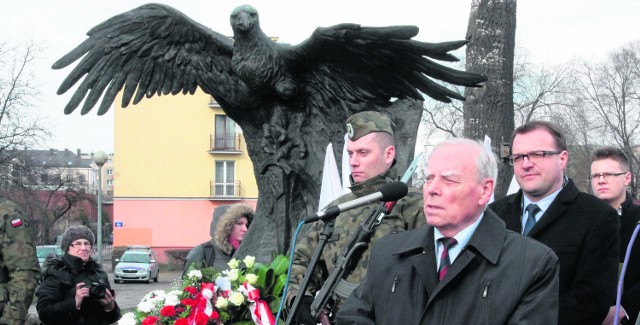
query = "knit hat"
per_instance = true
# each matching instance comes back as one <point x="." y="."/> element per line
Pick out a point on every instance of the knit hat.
<point x="74" y="233"/>
<point x="363" y="123"/>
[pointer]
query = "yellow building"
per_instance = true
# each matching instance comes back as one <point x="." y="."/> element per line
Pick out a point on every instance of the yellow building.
<point x="175" y="159"/>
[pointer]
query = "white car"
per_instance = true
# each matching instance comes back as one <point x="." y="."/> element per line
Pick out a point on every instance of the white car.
<point x="137" y="265"/>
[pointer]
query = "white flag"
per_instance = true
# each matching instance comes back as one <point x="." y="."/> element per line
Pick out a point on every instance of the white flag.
<point x="346" y="168"/>
<point x="331" y="187"/>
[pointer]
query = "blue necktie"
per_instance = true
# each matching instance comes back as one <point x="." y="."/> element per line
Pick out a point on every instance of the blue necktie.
<point x="531" y="209"/>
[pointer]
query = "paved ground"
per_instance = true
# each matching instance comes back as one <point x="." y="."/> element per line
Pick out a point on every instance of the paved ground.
<point x="128" y="295"/>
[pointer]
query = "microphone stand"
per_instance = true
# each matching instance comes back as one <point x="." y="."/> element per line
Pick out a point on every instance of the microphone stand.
<point x="327" y="231"/>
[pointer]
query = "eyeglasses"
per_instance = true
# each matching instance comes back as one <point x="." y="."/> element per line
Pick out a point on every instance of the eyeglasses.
<point x="533" y="156"/>
<point x="79" y="244"/>
<point x="606" y="176"/>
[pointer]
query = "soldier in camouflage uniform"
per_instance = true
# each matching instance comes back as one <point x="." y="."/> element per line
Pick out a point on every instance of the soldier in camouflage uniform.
<point x="372" y="158"/>
<point x="19" y="267"/>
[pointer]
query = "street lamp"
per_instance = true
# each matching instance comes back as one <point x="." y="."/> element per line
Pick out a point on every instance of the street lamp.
<point x="99" y="158"/>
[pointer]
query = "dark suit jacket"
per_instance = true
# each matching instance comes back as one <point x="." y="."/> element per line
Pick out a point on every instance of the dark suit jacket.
<point x="631" y="293"/>
<point x="500" y="277"/>
<point x="584" y="232"/>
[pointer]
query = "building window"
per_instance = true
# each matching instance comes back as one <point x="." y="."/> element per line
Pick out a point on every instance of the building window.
<point x="81" y="178"/>
<point x="109" y="171"/>
<point x="225" y="137"/>
<point x="109" y="182"/>
<point x="225" y="178"/>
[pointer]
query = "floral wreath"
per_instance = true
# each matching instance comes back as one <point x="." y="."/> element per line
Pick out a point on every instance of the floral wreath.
<point x="207" y="296"/>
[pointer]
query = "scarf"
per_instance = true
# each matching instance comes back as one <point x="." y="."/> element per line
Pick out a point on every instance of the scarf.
<point x="234" y="242"/>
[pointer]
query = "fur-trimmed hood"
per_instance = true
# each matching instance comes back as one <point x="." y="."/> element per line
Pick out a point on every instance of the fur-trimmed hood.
<point x="226" y="222"/>
<point x="67" y="261"/>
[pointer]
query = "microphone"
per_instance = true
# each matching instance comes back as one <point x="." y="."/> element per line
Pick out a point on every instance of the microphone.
<point x="389" y="192"/>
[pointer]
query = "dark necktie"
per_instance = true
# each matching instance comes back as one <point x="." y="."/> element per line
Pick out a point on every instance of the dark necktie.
<point x="531" y="209"/>
<point x="445" y="262"/>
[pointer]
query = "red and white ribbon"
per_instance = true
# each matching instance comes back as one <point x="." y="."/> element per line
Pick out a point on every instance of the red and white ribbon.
<point x="260" y="312"/>
<point x="208" y="290"/>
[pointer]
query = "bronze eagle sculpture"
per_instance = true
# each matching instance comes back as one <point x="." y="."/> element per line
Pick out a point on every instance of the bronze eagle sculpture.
<point x="290" y="100"/>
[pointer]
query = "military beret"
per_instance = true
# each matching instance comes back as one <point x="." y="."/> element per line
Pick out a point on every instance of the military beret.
<point x="363" y="123"/>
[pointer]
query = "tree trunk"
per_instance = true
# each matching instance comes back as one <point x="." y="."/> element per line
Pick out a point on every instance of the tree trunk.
<point x="489" y="110"/>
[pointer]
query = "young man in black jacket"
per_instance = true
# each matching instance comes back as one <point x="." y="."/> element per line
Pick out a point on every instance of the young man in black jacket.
<point x="610" y="176"/>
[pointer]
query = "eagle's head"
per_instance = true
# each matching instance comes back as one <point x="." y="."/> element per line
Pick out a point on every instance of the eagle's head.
<point x="244" y="19"/>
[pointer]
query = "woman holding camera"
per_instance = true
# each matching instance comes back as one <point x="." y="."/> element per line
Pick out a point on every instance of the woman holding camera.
<point x="74" y="288"/>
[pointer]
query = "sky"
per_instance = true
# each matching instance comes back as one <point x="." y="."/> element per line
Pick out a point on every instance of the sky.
<point x="551" y="31"/>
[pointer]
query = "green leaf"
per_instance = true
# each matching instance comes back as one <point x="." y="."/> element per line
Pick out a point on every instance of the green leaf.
<point x="281" y="281"/>
<point x="262" y="276"/>
<point x="268" y="280"/>
<point x="280" y="264"/>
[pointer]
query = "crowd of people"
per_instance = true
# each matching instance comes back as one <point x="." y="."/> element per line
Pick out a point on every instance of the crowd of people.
<point x="547" y="254"/>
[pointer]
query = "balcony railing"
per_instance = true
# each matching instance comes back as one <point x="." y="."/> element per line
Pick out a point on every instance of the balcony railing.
<point x="225" y="142"/>
<point x="225" y="189"/>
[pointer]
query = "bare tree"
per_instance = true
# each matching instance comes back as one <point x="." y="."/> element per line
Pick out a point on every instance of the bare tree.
<point x="19" y="126"/>
<point x="540" y="90"/>
<point x="48" y="196"/>
<point x="611" y="89"/>
<point x="583" y="133"/>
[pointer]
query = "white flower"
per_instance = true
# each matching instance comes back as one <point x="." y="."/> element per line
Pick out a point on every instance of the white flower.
<point x="195" y="274"/>
<point x="223" y="283"/>
<point x="127" y="319"/>
<point x="146" y="306"/>
<point x="236" y="298"/>
<point x="251" y="278"/>
<point x="249" y="261"/>
<point x="171" y="300"/>
<point x="233" y="264"/>
<point x="174" y="292"/>
<point x="222" y="303"/>
<point x="155" y="297"/>
<point x="233" y="274"/>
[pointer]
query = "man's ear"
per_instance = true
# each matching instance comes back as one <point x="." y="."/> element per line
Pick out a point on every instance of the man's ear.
<point x="389" y="154"/>
<point x="487" y="187"/>
<point x="564" y="159"/>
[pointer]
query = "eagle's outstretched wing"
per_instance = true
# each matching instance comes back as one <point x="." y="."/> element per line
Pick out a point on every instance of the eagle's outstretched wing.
<point x="153" y="49"/>
<point x="379" y="63"/>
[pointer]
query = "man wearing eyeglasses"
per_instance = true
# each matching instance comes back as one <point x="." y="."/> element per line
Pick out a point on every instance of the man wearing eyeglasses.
<point x="609" y="179"/>
<point x="580" y="228"/>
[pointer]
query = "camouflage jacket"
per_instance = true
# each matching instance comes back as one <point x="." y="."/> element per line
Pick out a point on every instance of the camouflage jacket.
<point x="19" y="267"/>
<point x="407" y="214"/>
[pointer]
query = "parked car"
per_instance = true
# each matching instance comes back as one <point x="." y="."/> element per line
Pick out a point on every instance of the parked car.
<point x="43" y="251"/>
<point x="137" y="263"/>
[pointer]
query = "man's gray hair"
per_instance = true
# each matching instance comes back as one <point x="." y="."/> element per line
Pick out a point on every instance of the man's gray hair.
<point x="486" y="163"/>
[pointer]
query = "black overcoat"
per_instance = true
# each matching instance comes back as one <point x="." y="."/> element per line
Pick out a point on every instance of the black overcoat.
<point x="500" y="277"/>
<point x="584" y="232"/>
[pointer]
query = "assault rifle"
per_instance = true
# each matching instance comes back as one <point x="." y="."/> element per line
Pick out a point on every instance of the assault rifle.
<point x="326" y="300"/>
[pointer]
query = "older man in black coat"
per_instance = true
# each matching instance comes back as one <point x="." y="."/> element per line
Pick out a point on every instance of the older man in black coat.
<point x="580" y="228"/>
<point x="465" y="267"/>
